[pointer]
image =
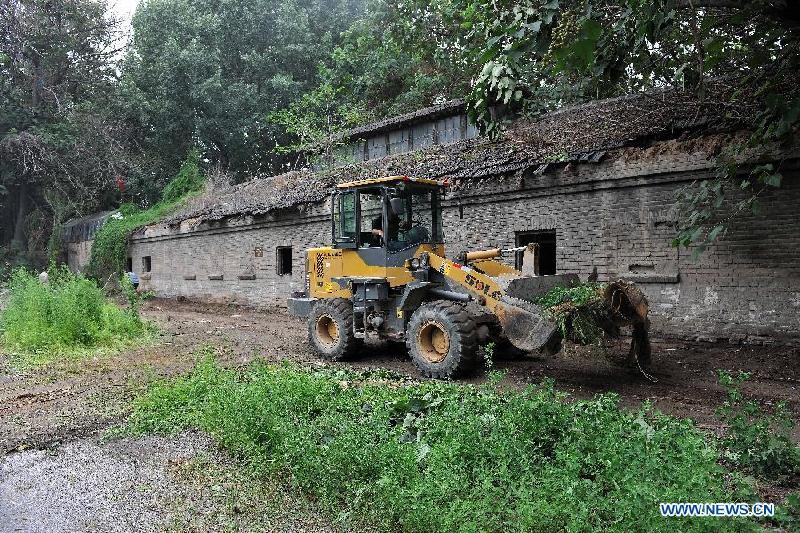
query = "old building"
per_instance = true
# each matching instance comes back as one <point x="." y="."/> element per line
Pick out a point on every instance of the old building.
<point x="77" y="237"/>
<point x="593" y="184"/>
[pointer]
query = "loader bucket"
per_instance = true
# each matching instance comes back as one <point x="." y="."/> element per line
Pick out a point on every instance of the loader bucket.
<point x="527" y="327"/>
<point x="530" y="328"/>
<point x="524" y="323"/>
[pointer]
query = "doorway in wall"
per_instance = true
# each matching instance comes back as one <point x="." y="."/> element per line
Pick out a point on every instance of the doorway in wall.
<point x="546" y="239"/>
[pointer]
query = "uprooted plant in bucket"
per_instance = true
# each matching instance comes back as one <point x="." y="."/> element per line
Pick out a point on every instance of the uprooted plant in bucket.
<point x="593" y="313"/>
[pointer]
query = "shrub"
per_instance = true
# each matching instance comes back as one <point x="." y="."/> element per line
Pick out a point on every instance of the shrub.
<point x="443" y="457"/>
<point x="578" y="311"/>
<point x="757" y="441"/>
<point x="69" y="312"/>
<point x="109" y="249"/>
<point x="188" y="180"/>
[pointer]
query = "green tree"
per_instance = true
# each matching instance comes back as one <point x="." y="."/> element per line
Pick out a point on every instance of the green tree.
<point x="206" y="73"/>
<point x="316" y="122"/>
<point x="393" y="60"/>
<point x="388" y="63"/>
<point x="539" y="54"/>
<point x="58" y="145"/>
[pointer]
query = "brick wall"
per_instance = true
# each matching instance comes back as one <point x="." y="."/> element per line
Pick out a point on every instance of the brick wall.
<point x="78" y="254"/>
<point x="614" y="216"/>
<point x="234" y="261"/>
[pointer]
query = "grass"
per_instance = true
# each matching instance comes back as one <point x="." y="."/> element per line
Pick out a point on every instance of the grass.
<point x="67" y="316"/>
<point x="758" y="441"/>
<point x="433" y="456"/>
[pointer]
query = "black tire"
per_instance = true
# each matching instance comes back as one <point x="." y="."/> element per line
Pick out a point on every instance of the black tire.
<point x="330" y="329"/>
<point x="442" y="340"/>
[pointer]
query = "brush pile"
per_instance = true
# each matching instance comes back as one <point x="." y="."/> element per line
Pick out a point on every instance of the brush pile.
<point x="593" y="313"/>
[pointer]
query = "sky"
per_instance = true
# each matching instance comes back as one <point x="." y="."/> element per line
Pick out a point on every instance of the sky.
<point x="124" y="9"/>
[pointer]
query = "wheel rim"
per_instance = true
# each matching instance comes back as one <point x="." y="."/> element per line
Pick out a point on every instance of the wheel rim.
<point x="434" y="342"/>
<point x="327" y="330"/>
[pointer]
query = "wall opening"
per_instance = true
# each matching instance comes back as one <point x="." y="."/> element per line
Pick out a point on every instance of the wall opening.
<point x="546" y="239"/>
<point x="147" y="263"/>
<point x="129" y="265"/>
<point x="284" y="260"/>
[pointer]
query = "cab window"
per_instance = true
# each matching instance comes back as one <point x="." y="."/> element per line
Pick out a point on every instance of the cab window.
<point x="344" y="218"/>
<point x="414" y="217"/>
<point x="371" y="205"/>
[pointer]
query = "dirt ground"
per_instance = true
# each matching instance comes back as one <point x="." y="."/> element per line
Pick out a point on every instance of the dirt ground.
<point x="64" y="408"/>
<point x="67" y="399"/>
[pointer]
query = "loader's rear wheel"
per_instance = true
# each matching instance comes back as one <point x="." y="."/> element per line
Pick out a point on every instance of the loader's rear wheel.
<point x="330" y="329"/>
<point x="442" y="340"/>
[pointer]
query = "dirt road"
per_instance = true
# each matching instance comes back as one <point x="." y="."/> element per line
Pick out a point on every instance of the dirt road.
<point x="74" y="398"/>
<point x="51" y="418"/>
<point x="686" y="371"/>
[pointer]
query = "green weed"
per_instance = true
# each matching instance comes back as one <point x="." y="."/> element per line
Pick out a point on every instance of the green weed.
<point x="577" y="311"/>
<point x="188" y="180"/>
<point x="449" y="457"/>
<point x="757" y="441"/>
<point x="788" y="516"/>
<point x="69" y="313"/>
<point x="580" y="294"/>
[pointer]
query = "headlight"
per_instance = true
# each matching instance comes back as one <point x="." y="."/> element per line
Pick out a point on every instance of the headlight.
<point x="423" y="260"/>
<point x="414" y="263"/>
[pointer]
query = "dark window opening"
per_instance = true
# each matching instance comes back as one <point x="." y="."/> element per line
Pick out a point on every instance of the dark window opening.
<point x="129" y="265"/>
<point x="284" y="263"/>
<point x="461" y="211"/>
<point x="147" y="263"/>
<point x="546" y="239"/>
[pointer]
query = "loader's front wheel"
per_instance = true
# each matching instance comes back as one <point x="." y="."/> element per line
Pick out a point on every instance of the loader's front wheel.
<point x="442" y="340"/>
<point x="330" y="329"/>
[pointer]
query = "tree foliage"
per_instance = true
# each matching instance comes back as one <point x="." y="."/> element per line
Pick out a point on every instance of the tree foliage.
<point x="59" y="147"/>
<point x="207" y="73"/>
<point x="250" y="84"/>
<point x="533" y="56"/>
<point x="393" y="60"/>
<point x="540" y="54"/>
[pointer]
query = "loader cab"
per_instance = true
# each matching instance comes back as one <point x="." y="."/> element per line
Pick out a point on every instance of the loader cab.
<point x="386" y="220"/>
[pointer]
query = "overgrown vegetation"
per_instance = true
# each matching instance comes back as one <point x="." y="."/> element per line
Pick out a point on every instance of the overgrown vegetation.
<point x="443" y="457"/>
<point x="578" y="311"/>
<point x="109" y="250"/>
<point x="533" y="56"/>
<point x="83" y="125"/>
<point x="68" y="313"/>
<point x="188" y="180"/>
<point x="757" y="441"/>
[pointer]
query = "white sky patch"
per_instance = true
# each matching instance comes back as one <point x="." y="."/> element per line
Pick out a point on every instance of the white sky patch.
<point x="124" y="9"/>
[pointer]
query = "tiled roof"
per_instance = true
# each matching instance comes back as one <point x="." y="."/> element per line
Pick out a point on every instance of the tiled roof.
<point x="578" y="132"/>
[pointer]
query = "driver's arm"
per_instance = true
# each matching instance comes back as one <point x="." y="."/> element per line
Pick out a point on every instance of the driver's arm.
<point x="377" y="226"/>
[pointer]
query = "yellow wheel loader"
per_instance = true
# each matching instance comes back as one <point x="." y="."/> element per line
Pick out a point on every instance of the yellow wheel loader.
<point x="386" y="276"/>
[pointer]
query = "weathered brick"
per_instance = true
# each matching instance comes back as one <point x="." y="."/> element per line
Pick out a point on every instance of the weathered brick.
<point x="748" y="284"/>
